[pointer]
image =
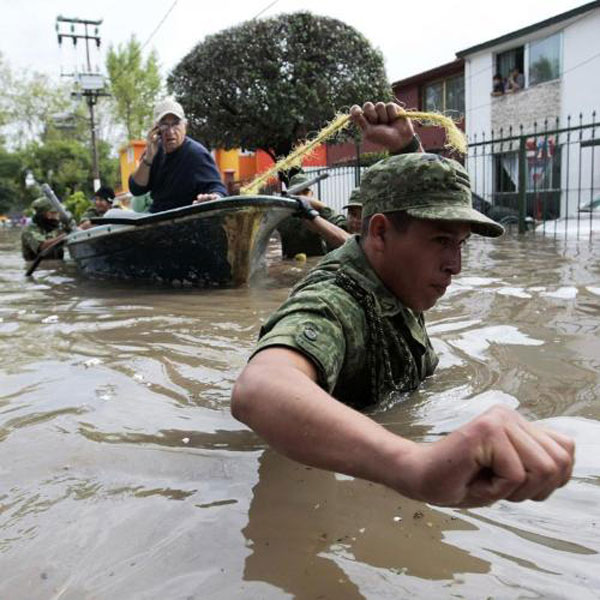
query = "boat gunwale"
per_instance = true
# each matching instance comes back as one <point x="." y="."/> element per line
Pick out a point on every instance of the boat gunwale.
<point x="169" y="217"/>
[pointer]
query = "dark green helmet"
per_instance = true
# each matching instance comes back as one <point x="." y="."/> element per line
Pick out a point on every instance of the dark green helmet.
<point x="42" y="205"/>
<point x="355" y="199"/>
<point x="299" y="179"/>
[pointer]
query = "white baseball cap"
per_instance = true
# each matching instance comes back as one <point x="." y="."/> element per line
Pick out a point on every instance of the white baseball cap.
<point x="168" y="106"/>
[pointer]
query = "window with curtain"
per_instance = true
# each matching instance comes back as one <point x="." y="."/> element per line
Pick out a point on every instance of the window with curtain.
<point x="455" y="94"/>
<point x="507" y="61"/>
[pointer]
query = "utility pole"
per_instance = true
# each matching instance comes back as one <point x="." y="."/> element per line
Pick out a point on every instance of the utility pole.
<point x="88" y="83"/>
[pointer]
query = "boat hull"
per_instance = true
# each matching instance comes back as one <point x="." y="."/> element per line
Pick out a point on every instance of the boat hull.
<point x="216" y="243"/>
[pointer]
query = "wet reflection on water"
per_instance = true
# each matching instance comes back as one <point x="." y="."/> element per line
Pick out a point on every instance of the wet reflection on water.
<point x="123" y="475"/>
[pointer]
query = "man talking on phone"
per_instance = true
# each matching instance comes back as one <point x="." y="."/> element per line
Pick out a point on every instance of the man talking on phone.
<point x="174" y="168"/>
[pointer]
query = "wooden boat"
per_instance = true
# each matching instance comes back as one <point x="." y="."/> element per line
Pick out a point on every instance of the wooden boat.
<point x="216" y="243"/>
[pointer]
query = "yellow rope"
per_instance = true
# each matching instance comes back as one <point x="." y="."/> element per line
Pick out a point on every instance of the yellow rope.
<point x="455" y="140"/>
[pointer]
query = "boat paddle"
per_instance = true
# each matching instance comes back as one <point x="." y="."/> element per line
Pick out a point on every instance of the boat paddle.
<point x="65" y="218"/>
<point x="57" y="243"/>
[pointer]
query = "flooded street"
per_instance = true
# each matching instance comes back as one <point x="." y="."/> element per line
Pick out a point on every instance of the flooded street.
<point x="124" y="476"/>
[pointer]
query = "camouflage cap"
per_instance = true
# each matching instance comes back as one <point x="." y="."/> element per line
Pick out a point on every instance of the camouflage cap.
<point x="426" y="186"/>
<point x="42" y="205"/>
<point x="298" y="179"/>
<point x="355" y="199"/>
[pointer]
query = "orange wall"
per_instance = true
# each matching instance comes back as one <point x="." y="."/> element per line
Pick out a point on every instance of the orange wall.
<point x="244" y="165"/>
<point x="129" y="157"/>
<point x="317" y="158"/>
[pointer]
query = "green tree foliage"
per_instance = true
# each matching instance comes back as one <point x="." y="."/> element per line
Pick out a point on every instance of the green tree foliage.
<point x="77" y="203"/>
<point x="12" y="181"/>
<point x="268" y="83"/>
<point x="5" y="84"/>
<point x="41" y="130"/>
<point x="135" y="85"/>
<point x="66" y="165"/>
<point x="28" y="104"/>
<point x="109" y="165"/>
<point x="63" y="164"/>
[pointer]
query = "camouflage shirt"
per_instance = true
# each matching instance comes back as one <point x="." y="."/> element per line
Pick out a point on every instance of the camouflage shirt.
<point x="91" y="213"/>
<point x="32" y="237"/>
<point x="295" y="237"/>
<point x="365" y="345"/>
<point x="330" y="215"/>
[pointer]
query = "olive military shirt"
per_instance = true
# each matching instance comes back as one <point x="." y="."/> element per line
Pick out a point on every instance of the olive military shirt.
<point x="91" y="213"/>
<point x="32" y="237"/>
<point x="295" y="237"/>
<point x="330" y="215"/>
<point x="365" y="344"/>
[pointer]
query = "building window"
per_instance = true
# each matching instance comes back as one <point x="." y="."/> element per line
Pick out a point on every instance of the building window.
<point x="434" y="96"/>
<point x="507" y="62"/>
<point x="447" y="95"/>
<point x="544" y="59"/>
<point x="533" y="63"/>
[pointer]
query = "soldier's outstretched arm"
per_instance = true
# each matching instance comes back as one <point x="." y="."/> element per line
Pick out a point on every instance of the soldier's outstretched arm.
<point x="498" y="455"/>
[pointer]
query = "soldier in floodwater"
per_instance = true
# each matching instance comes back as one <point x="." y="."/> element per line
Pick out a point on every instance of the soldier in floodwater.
<point x="315" y="230"/>
<point x="354" y="207"/>
<point x="43" y="231"/>
<point x="352" y="336"/>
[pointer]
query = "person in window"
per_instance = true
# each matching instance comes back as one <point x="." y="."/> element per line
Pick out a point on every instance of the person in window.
<point x="516" y="81"/>
<point x="498" y="85"/>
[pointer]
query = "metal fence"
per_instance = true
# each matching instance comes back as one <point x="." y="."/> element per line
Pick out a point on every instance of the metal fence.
<point x="546" y="178"/>
<point x="336" y="189"/>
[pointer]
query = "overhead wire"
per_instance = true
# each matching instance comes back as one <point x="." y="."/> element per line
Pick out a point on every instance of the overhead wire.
<point x="154" y="32"/>
<point x="265" y="9"/>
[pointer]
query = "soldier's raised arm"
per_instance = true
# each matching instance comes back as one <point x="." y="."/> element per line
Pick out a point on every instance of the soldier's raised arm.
<point x="381" y="124"/>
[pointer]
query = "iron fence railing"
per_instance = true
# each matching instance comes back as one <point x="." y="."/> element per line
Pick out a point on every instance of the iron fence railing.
<point x="547" y="178"/>
<point x="336" y="188"/>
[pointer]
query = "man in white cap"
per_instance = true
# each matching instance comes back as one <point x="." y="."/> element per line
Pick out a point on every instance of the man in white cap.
<point x="174" y="168"/>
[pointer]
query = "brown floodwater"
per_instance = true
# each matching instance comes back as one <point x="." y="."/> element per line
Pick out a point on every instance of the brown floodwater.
<point x="124" y="476"/>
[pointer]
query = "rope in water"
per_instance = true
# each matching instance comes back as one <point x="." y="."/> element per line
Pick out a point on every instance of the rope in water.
<point x="455" y="140"/>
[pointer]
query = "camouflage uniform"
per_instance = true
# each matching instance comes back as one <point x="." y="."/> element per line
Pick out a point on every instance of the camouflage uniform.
<point x="91" y="213"/>
<point x="296" y="238"/>
<point x="363" y="341"/>
<point x="33" y="235"/>
<point x="365" y="345"/>
<point x="355" y="199"/>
